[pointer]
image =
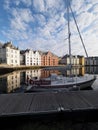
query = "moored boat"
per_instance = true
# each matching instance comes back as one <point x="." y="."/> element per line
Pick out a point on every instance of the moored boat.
<point x="55" y="82"/>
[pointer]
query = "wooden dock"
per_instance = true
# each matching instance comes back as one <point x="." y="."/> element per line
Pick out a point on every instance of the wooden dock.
<point x="68" y="104"/>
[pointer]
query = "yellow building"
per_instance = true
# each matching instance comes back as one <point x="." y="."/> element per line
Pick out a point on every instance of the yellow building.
<point x="81" y="60"/>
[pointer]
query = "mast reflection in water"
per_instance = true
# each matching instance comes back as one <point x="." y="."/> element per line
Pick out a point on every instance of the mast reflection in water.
<point x="15" y="81"/>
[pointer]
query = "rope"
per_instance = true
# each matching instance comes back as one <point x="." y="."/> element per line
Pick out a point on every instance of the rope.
<point x="78" y="31"/>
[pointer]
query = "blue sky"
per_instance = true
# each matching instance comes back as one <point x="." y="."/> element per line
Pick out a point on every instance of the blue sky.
<point x="42" y="25"/>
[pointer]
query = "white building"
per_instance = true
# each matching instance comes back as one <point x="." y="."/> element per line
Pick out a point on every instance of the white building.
<point x="32" y="58"/>
<point x="9" y="54"/>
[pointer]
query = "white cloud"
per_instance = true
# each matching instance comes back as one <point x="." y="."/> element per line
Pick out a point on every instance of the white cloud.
<point x="7" y="4"/>
<point x="21" y="18"/>
<point x="16" y="35"/>
<point x="27" y="3"/>
<point x="46" y="27"/>
<point x="40" y="19"/>
<point x="18" y="24"/>
<point x="23" y="14"/>
<point x="51" y="3"/>
<point x="93" y="1"/>
<point x="39" y="5"/>
<point x="76" y="5"/>
<point x="95" y="8"/>
<point x="58" y="4"/>
<point x="45" y="5"/>
<point x="85" y="19"/>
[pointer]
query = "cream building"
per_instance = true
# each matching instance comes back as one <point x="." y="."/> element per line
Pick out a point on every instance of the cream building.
<point x="9" y="54"/>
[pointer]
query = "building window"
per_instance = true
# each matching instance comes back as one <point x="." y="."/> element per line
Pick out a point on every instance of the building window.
<point x="7" y="50"/>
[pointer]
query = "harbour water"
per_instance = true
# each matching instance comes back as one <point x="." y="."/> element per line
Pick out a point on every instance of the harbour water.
<point x="15" y="81"/>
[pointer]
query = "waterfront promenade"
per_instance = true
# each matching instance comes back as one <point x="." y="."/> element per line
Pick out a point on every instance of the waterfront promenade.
<point x="71" y="105"/>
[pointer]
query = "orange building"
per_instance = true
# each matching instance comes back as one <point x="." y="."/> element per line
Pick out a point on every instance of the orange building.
<point x="49" y="59"/>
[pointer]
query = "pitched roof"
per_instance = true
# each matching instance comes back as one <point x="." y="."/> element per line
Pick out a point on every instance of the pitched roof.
<point x="9" y="44"/>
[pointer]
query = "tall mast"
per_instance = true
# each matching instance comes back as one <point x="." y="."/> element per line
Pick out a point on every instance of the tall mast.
<point x="69" y="33"/>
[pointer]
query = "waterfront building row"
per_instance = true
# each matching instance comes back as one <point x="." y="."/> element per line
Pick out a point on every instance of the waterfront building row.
<point x="11" y="55"/>
<point x="79" y="60"/>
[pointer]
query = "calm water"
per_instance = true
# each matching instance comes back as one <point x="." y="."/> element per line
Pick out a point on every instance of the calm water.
<point x="15" y="83"/>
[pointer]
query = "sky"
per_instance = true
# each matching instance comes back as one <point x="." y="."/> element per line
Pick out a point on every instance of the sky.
<point x="43" y="25"/>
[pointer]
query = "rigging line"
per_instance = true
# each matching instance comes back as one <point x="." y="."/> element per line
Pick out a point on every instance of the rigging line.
<point x="78" y="30"/>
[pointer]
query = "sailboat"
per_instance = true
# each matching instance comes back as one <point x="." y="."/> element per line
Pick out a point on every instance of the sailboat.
<point x="59" y="83"/>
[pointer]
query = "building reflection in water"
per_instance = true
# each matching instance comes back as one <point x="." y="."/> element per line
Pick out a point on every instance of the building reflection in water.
<point x="91" y="69"/>
<point x="47" y="73"/>
<point x="16" y="80"/>
<point x="9" y="83"/>
<point x="76" y="71"/>
<point x="33" y="73"/>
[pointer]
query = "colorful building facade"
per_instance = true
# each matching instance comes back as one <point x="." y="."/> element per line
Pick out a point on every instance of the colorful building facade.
<point x="49" y="59"/>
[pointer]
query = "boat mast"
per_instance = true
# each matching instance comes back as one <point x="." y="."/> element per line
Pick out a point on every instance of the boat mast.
<point x="69" y="33"/>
